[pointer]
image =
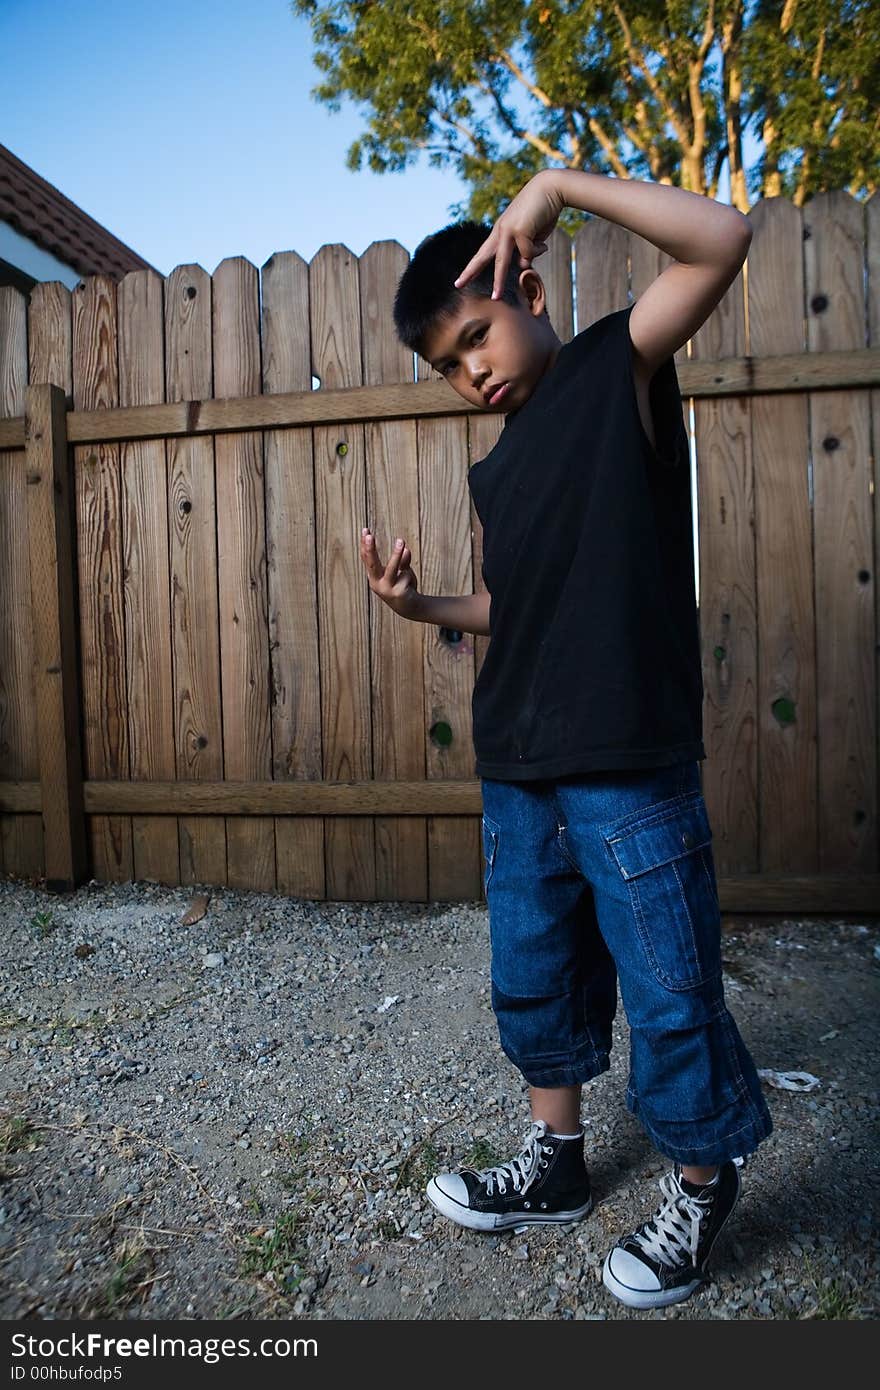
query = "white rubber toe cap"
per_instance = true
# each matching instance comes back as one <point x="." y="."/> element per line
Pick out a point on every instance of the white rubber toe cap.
<point x="452" y="1186"/>
<point x="629" y="1271"/>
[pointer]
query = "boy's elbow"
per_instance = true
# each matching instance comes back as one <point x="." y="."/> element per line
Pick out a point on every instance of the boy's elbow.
<point x="741" y="230"/>
<point x="738" y="239"/>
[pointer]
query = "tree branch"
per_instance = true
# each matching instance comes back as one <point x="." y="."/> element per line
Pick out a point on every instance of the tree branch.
<point x="716" y="171"/>
<point x="574" y="137"/>
<point x="708" y="33"/>
<point x="502" y="110"/>
<point x="518" y="73"/>
<point x="478" y="144"/>
<point x="637" y="58"/>
<point x="614" y="159"/>
<point x="698" y="108"/>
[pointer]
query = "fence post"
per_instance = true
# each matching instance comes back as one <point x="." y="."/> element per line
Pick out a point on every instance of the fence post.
<point x="50" y="522"/>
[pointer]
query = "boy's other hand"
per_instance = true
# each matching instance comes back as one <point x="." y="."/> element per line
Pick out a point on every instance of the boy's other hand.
<point x="523" y="228"/>
<point x="395" y="583"/>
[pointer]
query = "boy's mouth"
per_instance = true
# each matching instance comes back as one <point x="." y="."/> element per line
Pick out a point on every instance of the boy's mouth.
<point x="497" y="393"/>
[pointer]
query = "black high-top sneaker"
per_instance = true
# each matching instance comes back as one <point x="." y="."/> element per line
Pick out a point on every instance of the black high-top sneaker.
<point x="546" y="1182"/>
<point x="664" y="1261"/>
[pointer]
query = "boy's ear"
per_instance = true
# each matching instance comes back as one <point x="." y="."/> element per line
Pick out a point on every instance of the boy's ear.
<point x="532" y="287"/>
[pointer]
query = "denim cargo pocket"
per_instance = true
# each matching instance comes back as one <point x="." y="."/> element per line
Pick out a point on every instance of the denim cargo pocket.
<point x="491" y="835"/>
<point x="665" y="856"/>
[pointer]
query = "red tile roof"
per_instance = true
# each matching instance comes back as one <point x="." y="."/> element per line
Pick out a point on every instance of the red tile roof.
<point x="37" y="210"/>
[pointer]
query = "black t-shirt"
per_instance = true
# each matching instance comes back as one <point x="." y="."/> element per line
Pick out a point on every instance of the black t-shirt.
<point x="588" y="554"/>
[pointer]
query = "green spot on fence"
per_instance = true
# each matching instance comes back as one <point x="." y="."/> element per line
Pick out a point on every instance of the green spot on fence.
<point x="441" y="734"/>
<point x="783" y="710"/>
<point x="720" y="653"/>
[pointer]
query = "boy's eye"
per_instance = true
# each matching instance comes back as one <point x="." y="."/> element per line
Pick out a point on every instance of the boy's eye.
<point x="479" y="335"/>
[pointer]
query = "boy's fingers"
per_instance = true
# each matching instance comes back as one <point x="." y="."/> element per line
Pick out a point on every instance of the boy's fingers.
<point x="371" y="558"/>
<point x="391" y="567"/>
<point x="502" y="261"/>
<point x="368" y="552"/>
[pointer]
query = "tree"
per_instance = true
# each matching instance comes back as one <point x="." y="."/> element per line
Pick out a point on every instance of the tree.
<point x="659" y="89"/>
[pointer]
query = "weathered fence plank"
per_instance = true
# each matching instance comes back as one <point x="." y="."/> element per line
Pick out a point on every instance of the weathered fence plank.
<point x="192" y="526"/>
<point x="290" y="550"/>
<point x="483" y="433"/>
<point x="149" y="702"/>
<point x="21" y="836"/>
<point x="840" y="450"/>
<point x="99" y="534"/>
<point x="872" y="229"/>
<point x="50" y="531"/>
<point x="785" y="620"/>
<point x="396" y="646"/>
<point x="343" y="594"/>
<point x="728" y="611"/>
<point x="241" y="564"/>
<point x="555" y="270"/>
<point x="50" y="359"/>
<point x="454" y="850"/>
<point x="601" y="270"/>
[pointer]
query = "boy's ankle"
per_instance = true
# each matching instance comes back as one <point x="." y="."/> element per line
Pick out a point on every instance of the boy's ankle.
<point x="700" y="1175"/>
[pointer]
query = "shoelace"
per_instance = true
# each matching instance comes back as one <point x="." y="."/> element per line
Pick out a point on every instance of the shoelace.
<point x="521" y="1171"/>
<point x="674" y="1232"/>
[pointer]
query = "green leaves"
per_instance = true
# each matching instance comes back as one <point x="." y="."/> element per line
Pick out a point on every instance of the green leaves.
<point x="663" y="89"/>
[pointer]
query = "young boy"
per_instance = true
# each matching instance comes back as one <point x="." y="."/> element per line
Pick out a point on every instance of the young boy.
<point x="587" y="714"/>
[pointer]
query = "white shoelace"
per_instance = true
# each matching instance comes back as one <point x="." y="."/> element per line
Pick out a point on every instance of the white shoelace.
<point x="521" y="1171"/>
<point x="676" y="1227"/>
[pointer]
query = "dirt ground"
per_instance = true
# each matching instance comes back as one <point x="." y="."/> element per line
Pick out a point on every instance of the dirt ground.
<point x="160" y="1161"/>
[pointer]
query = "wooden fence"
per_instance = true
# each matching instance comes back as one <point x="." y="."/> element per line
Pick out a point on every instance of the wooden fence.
<point x="196" y="684"/>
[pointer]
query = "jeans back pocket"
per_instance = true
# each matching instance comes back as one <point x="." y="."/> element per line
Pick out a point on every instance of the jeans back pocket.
<point x="664" y="854"/>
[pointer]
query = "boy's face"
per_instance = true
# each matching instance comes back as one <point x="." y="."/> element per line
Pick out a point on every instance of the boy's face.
<point x="493" y="354"/>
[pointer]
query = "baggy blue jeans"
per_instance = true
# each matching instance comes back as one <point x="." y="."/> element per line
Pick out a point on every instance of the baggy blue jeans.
<point x="604" y="877"/>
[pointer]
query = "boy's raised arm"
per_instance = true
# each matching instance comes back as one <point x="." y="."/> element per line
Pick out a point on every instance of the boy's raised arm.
<point x="708" y="241"/>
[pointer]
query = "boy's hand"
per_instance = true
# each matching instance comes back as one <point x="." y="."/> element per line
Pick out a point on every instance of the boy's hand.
<point x="523" y="227"/>
<point x="395" y="582"/>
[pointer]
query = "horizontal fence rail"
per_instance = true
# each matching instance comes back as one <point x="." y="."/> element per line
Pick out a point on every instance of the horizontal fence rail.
<point x="737" y="376"/>
<point x="196" y="685"/>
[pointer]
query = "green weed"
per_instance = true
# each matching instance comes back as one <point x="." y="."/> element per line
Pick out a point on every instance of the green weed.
<point x="278" y="1251"/>
<point x="837" y="1302"/>
<point x="419" y="1165"/>
<point x="387" y="1228"/>
<point x="482" y="1155"/>
<point x="44" y="923"/>
<point x="836" y="1299"/>
<point x="16" y="1132"/>
<point x="129" y="1282"/>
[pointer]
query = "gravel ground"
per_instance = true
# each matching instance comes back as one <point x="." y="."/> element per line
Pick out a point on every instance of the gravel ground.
<point x="236" y="1118"/>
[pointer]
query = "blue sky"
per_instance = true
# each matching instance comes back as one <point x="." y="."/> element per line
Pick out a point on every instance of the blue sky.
<point x="185" y="127"/>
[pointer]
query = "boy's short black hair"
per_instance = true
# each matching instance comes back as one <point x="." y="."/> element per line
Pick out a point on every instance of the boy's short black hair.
<point x="426" y="291"/>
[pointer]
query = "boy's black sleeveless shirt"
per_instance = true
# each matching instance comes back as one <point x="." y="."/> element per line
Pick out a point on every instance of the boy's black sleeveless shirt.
<point x="588" y="553"/>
